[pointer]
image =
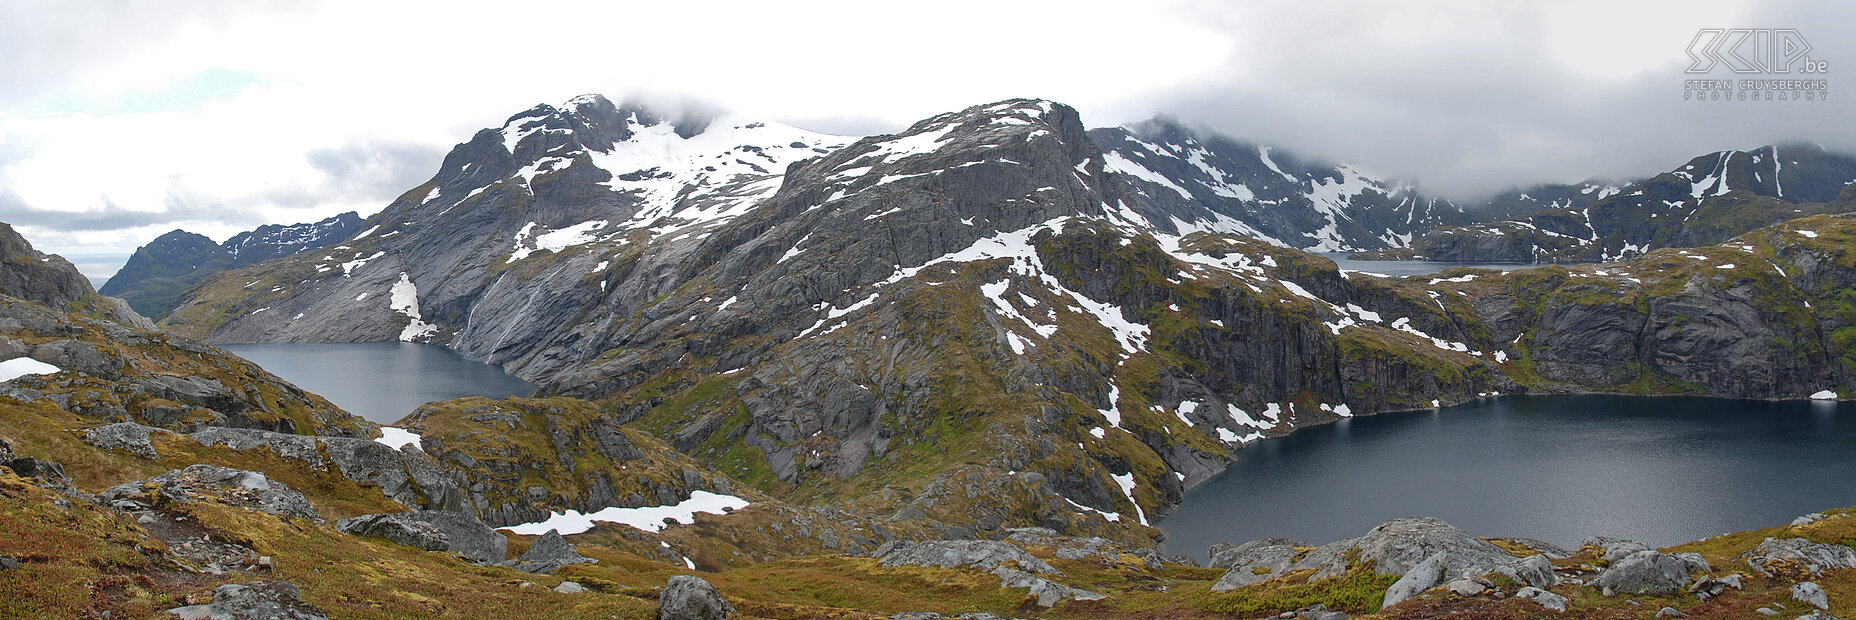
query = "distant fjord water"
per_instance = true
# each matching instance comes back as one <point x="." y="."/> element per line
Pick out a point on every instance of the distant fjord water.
<point x="382" y="381"/>
<point x="1661" y="470"/>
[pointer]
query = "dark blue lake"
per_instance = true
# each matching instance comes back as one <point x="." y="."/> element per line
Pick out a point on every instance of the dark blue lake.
<point x="1662" y="470"/>
<point x="382" y="381"/>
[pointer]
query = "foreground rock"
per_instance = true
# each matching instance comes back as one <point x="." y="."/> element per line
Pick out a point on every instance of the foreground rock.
<point x="1393" y="548"/>
<point x="125" y="436"/>
<point x="1645" y="572"/>
<point x="433" y="530"/>
<point x="981" y="554"/>
<point x="549" y="554"/>
<point x="246" y="489"/>
<point x="691" y="598"/>
<point x="1546" y="599"/>
<point x="1777" y="553"/>
<point x="996" y="557"/>
<point x="262" y="600"/>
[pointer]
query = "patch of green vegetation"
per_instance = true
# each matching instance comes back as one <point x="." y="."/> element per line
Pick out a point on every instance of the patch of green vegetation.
<point x="1359" y="590"/>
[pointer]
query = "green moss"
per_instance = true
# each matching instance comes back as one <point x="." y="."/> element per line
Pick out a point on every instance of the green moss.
<point x="1359" y="590"/>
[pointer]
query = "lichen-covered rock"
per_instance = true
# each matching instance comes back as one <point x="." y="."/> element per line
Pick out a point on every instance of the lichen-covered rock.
<point x="125" y="436"/>
<point x="549" y="554"/>
<point x="1694" y="562"/>
<point x="1047" y="592"/>
<point x="1533" y="570"/>
<point x="1645" y="572"/>
<point x="687" y="597"/>
<point x="1418" y="578"/>
<point x="1254" y="562"/>
<point x="1614" y="549"/>
<point x="76" y="355"/>
<point x="246" y="489"/>
<point x="1811" y="557"/>
<point x="981" y="554"/>
<point x="433" y="530"/>
<point x="1544" y="598"/>
<point x="258" y="600"/>
<point x="1393" y="548"/>
<point x="1810" y="593"/>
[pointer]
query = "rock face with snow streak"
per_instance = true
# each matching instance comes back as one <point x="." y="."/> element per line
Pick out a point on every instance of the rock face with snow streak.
<point x="1204" y="181"/>
<point x="1709" y="200"/>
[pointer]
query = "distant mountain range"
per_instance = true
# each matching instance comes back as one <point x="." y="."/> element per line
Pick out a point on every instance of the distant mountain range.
<point x="158" y="272"/>
<point x="1707" y="201"/>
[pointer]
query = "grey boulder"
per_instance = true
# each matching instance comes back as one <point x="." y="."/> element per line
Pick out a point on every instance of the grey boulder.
<point x="1811" y="594"/>
<point x="981" y="554"/>
<point x="1047" y="592"/>
<point x="433" y="530"/>
<point x="549" y="554"/>
<point x="1614" y="549"/>
<point x="260" y="600"/>
<point x="1254" y="561"/>
<point x="1533" y="570"/>
<point x="1543" y="598"/>
<point x="691" y="598"/>
<point x="1645" y="572"/>
<point x="125" y="436"/>
<point x="1813" y="556"/>
<point x="246" y="489"/>
<point x="1418" y="579"/>
<point x="1393" y="548"/>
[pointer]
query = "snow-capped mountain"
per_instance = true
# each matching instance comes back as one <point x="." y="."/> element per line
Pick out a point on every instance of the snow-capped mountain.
<point x="1709" y="200"/>
<point x="1202" y="181"/>
<point x="986" y="296"/>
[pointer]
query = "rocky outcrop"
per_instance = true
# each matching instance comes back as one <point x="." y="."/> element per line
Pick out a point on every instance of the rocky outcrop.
<point x="549" y="554"/>
<point x="126" y="436"/>
<point x="980" y="554"/>
<point x="1255" y="561"/>
<point x="410" y="478"/>
<point x="52" y="281"/>
<point x="112" y="372"/>
<point x="258" y="600"/>
<point x="1422" y="551"/>
<point x="687" y="597"/>
<point x="433" y="530"/>
<point x="245" y="489"/>
<point x="1798" y="553"/>
<point x="1645" y="572"/>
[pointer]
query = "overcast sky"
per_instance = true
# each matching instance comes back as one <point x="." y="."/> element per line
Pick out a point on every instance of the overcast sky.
<point x="122" y="120"/>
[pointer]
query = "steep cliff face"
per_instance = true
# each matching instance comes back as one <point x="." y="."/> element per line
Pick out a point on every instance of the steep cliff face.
<point x="52" y="281"/>
<point x="1707" y="201"/>
<point x="159" y="272"/>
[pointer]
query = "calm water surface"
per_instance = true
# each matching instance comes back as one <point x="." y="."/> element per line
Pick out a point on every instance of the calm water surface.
<point x="381" y="381"/>
<point x="1662" y="470"/>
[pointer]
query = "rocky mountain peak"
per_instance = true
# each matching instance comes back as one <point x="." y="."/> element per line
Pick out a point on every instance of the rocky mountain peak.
<point x="1202" y="181"/>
